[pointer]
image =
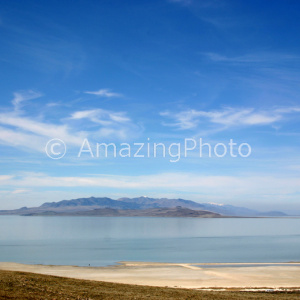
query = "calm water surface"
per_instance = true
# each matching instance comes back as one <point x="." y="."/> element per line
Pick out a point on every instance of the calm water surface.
<point x="101" y="241"/>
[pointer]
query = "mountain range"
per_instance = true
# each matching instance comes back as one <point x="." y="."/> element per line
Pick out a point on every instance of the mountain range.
<point x="138" y="206"/>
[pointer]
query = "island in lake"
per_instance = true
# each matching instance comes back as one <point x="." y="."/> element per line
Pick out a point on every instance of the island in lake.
<point x="138" y="207"/>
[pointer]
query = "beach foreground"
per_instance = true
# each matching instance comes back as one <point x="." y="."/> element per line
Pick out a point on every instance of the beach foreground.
<point x="192" y="276"/>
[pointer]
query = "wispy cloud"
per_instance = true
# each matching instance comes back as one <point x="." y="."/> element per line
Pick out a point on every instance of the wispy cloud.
<point x="17" y="129"/>
<point x="22" y="96"/>
<point x="43" y="129"/>
<point x="113" y="124"/>
<point x="56" y="49"/>
<point x="265" y="75"/>
<point x="228" y="117"/>
<point x="101" y="116"/>
<point x="21" y="140"/>
<point x="104" y="93"/>
<point x="265" y="58"/>
<point x="20" y="191"/>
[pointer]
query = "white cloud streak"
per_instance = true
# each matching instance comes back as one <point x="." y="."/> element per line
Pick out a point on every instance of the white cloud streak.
<point x="113" y="124"/>
<point x="104" y="93"/>
<point x="228" y="117"/>
<point x="20" y="97"/>
<point x="101" y="116"/>
<point x="20" y="191"/>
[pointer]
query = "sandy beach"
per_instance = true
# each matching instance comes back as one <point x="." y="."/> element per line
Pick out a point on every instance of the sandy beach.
<point x="196" y="276"/>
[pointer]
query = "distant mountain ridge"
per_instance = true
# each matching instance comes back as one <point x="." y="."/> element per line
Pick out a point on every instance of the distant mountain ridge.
<point x="139" y="203"/>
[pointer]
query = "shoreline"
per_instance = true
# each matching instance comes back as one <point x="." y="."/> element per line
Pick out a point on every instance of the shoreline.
<point x="216" y="276"/>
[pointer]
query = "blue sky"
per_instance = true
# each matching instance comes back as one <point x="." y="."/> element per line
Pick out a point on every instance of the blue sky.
<point x="150" y="71"/>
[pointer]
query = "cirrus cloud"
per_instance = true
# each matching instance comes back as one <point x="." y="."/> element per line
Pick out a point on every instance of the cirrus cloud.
<point x="103" y="93"/>
<point x="228" y="117"/>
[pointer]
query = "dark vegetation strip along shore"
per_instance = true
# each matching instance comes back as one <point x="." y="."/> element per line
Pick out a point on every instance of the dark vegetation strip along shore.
<point x="20" y="285"/>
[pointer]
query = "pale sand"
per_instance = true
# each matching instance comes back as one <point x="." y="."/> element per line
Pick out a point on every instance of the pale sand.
<point x="177" y="275"/>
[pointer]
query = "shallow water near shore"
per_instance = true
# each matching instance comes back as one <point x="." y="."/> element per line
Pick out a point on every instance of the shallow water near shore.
<point x="102" y="241"/>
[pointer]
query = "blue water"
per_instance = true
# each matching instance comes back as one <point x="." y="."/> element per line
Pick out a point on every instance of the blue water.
<point x="101" y="241"/>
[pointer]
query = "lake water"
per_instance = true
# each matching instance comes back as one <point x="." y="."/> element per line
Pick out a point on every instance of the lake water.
<point x="101" y="241"/>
